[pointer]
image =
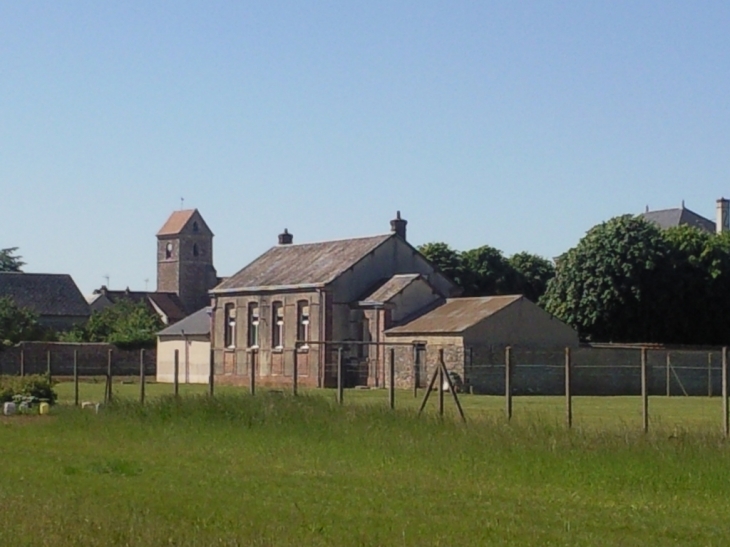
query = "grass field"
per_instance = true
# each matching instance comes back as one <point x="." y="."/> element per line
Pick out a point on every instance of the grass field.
<point x="279" y="470"/>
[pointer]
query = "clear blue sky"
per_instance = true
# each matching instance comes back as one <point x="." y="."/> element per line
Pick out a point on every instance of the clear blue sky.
<point x="514" y="124"/>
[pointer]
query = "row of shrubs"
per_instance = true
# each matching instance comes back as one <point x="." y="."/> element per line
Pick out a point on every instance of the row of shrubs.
<point x="31" y="388"/>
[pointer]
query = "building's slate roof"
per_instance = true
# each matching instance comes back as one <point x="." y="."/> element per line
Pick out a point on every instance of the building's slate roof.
<point x="169" y="303"/>
<point x="302" y="265"/>
<point x="670" y="218"/>
<point x="196" y="324"/>
<point x="456" y="315"/>
<point x="390" y="288"/>
<point x="44" y="294"/>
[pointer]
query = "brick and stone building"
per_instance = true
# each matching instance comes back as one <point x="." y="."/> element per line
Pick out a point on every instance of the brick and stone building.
<point x="296" y="299"/>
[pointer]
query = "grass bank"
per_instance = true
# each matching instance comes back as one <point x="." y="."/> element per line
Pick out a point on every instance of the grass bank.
<point x="278" y="470"/>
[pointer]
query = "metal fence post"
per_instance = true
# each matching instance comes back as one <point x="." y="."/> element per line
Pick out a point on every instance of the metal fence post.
<point x="295" y="372"/>
<point x="725" y="419"/>
<point x="508" y="382"/>
<point x="76" y="377"/>
<point x="416" y="369"/>
<point x="142" y="377"/>
<point x="568" y="393"/>
<point x="709" y="374"/>
<point x="391" y="380"/>
<point x="211" y="373"/>
<point x="669" y="374"/>
<point x="22" y="362"/>
<point x="252" y="373"/>
<point x="108" y="395"/>
<point x="340" y="379"/>
<point x="644" y="392"/>
<point x="48" y="365"/>
<point x="441" y="382"/>
<point x="176" y="373"/>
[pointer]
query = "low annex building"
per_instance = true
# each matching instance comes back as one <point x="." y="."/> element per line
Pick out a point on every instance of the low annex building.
<point x="190" y="338"/>
<point x="296" y="298"/>
<point x="463" y="328"/>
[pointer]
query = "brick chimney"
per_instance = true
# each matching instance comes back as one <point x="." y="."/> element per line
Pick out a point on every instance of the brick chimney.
<point x="286" y="238"/>
<point x="722" y="215"/>
<point x="398" y="225"/>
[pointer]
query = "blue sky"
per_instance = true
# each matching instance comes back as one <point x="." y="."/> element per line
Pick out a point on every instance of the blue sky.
<point x="514" y="124"/>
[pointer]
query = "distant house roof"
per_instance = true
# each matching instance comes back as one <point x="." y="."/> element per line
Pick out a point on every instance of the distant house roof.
<point x="44" y="294"/>
<point x="196" y="324"/>
<point x="670" y="218"/>
<point x="179" y="220"/>
<point x="456" y="315"/>
<point x="301" y="265"/>
<point x="389" y="288"/>
<point x="167" y="303"/>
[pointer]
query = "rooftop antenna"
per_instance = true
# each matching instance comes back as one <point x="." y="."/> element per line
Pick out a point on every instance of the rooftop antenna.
<point x="146" y="282"/>
<point x="106" y="276"/>
<point x="682" y="204"/>
<point x="182" y="203"/>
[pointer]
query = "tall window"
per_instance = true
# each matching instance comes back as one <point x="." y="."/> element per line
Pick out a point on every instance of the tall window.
<point x="195" y="227"/>
<point x="230" y="326"/>
<point x="302" y="323"/>
<point x="253" y="325"/>
<point x="168" y="250"/>
<point x="196" y="251"/>
<point x="277" y="325"/>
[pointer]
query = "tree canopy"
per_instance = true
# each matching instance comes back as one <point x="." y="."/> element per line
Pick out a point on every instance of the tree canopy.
<point x="628" y="281"/>
<point x="485" y="271"/>
<point x="125" y="323"/>
<point x="9" y="261"/>
<point x="17" y="324"/>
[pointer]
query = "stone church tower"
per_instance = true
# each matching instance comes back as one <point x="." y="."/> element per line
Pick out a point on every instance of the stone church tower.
<point x="185" y="259"/>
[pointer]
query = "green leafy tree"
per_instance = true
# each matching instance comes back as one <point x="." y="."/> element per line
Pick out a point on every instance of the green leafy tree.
<point x="17" y="324"/>
<point x="486" y="272"/>
<point x="610" y="287"/>
<point x="530" y="275"/>
<point x="446" y="259"/>
<point x="125" y="323"/>
<point x="9" y="261"/>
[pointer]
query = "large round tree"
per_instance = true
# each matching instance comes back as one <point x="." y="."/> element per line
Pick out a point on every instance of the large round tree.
<point x="610" y="286"/>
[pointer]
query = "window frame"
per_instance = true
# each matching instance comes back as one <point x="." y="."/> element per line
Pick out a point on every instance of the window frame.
<point x="254" y="323"/>
<point x="303" y="323"/>
<point x="229" y="326"/>
<point x="277" y="325"/>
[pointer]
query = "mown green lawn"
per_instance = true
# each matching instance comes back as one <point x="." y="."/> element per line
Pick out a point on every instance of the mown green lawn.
<point x="279" y="470"/>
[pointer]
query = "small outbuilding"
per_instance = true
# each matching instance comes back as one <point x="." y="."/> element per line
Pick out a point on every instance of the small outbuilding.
<point x="472" y="330"/>
<point x="190" y="339"/>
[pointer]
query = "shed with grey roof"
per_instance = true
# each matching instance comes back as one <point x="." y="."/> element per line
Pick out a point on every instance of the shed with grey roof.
<point x="190" y="339"/>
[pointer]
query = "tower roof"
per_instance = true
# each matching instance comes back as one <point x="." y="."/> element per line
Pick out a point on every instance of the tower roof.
<point x="179" y="220"/>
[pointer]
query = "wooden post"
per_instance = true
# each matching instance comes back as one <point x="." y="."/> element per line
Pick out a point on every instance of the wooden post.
<point x="441" y="383"/>
<point x="508" y="382"/>
<point x="76" y="377"/>
<point x="295" y="372"/>
<point x="176" y="373"/>
<point x="452" y="389"/>
<point x="669" y="375"/>
<point x="340" y="379"/>
<point x="142" y="377"/>
<point x="709" y="374"/>
<point x="22" y="362"/>
<point x="252" y="373"/>
<point x="48" y="365"/>
<point x="644" y="392"/>
<point x="391" y="380"/>
<point x="108" y="395"/>
<point x="568" y="393"/>
<point x="428" y="391"/>
<point x="211" y="373"/>
<point x="725" y="419"/>
<point x="416" y="369"/>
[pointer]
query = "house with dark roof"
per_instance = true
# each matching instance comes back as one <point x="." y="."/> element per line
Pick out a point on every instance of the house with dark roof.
<point x="295" y="298"/>
<point x="681" y="216"/>
<point x="166" y="305"/>
<point x="54" y="298"/>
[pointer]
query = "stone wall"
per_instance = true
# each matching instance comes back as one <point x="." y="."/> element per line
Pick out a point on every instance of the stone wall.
<point x="92" y="359"/>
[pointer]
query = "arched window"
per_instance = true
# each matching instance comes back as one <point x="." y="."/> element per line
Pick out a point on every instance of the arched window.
<point x="195" y="227"/>
<point x="277" y="325"/>
<point x="196" y="251"/>
<point x="168" y="250"/>
<point x="230" y="326"/>
<point x="302" y="323"/>
<point x="253" y="325"/>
